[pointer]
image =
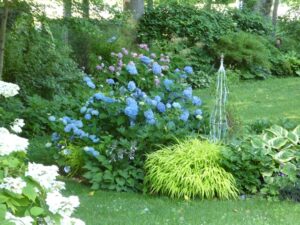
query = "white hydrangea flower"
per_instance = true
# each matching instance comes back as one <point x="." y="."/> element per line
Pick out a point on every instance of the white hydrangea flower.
<point x="61" y="205"/>
<point x="17" y="125"/>
<point x="71" y="221"/>
<point x="8" y="89"/>
<point x="11" y="143"/>
<point x="27" y="220"/>
<point x="14" y="185"/>
<point x="45" y="176"/>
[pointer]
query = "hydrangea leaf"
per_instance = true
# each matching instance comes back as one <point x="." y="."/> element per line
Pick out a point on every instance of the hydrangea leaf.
<point x="36" y="211"/>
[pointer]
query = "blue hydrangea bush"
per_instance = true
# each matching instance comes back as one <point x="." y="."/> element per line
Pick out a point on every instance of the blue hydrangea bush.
<point x="136" y="105"/>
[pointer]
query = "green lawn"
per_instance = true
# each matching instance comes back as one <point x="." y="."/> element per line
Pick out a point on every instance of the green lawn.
<point x="272" y="99"/>
<point x="111" y="208"/>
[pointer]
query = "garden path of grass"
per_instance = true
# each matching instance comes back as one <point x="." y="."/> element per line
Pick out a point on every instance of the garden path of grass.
<point x="272" y="99"/>
<point x="111" y="208"/>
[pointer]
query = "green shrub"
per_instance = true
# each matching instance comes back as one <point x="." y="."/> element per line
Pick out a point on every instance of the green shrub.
<point x="37" y="62"/>
<point x="247" y="52"/>
<point x="189" y="169"/>
<point x="287" y="64"/>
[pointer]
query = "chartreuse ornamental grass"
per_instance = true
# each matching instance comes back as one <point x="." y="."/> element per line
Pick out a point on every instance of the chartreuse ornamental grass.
<point x="189" y="169"/>
<point x="112" y="208"/>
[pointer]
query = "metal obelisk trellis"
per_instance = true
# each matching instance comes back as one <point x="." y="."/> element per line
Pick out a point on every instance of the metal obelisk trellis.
<point x="218" y="118"/>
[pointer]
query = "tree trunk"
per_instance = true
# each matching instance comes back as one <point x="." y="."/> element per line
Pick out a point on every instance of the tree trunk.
<point x="86" y="8"/>
<point x="264" y="6"/>
<point x="135" y="6"/>
<point x="67" y="15"/>
<point x="2" y="36"/>
<point x="67" y="8"/>
<point x="275" y="12"/>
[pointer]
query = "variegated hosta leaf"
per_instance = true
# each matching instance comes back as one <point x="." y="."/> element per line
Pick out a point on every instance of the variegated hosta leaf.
<point x="293" y="137"/>
<point x="296" y="131"/>
<point x="277" y="142"/>
<point x="258" y="142"/>
<point x="284" y="156"/>
<point x="278" y="131"/>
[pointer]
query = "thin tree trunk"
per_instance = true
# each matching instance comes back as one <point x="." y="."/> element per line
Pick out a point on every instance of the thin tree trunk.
<point x="275" y="12"/>
<point x="86" y="8"/>
<point x="135" y="6"/>
<point x="2" y="37"/>
<point x="67" y="15"/>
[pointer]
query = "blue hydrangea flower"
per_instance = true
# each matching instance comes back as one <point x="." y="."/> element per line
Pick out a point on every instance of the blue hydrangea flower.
<point x="132" y="108"/>
<point x="183" y="76"/>
<point x="196" y="101"/>
<point x="176" y="105"/>
<point x="87" y="116"/>
<point x="161" y="107"/>
<point x="188" y="93"/>
<point x="95" y="112"/>
<point x="198" y="112"/>
<point x="168" y="84"/>
<point x="188" y="69"/>
<point x="112" y="39"/>
<point x="156" y="68"/>
<point x="122" y="90"/>
<point x="68" y="128"/>
<point x="110" y="81"/>
<point x="91" y="84"/>
<point x="91" y="150"/>
<point x="131" y="86"/>
<point x="83" y="109"/>
<point x="145" y="59"/>
<point x="149" y="115"/>
<point x="157" y="98"/>
<point x="55" y="137"/>
<point x="52" y="118"/>
<point x="67" y="169"/>
<point x="131" y="68"/>
<point x="177" y="70"/>
<point x="185" y="115"/>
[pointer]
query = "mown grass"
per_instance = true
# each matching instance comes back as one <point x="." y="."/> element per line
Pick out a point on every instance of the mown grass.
<point x="271" y="99"/>
<point x="111" y="208"/>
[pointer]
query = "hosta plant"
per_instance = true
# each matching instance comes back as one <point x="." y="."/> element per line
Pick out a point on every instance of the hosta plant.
<point x="267" y="162"/>
<point x="189" y="169"/>
<point x="29" y="193"/>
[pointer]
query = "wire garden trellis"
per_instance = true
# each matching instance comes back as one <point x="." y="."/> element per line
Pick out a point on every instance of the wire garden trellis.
<point x="218" y="118"/>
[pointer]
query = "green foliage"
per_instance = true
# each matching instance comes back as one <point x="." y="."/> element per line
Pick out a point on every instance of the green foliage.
<point x="267" y="162"/>
<point x="189" y="169"/>
<point x="86" y="34"/>
<point x="287" y="64"/>
<point x="247" y="52"/>
<point x="38" y="63"/>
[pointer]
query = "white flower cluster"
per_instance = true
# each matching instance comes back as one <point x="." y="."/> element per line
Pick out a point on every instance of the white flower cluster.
<point x="61" y="205"/>
<point x="27" y="220"/>
<point x="17" y="125"/>
<point x="14" y="185"/>
<point x="45" y="176"/>
<point x="8" y="89"/>
<point x="11" y="143"/>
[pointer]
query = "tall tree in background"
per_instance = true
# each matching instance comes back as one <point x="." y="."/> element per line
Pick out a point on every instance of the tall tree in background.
<point x="86" y="8"/>
<point x="3" y="35"/>
<point x="67" y="15"/>
<point x="135" y="6"/>
<point x="275" y="12"/>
